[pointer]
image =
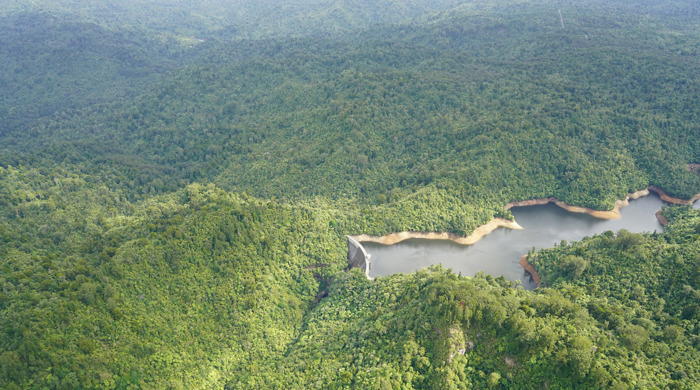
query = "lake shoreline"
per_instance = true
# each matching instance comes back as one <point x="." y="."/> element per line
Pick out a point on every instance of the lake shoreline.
<point x="610" y="214"/>
<point x="495" y="223"/>
<point x="476" y="235"/>
<point x="483" y="230"/>
<point x="531" y="270"/>
<point x="666" y="198"/>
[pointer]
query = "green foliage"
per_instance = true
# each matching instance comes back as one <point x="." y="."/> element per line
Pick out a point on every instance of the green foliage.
<point x="198" y="273"/>
<point x="493" y="380"/>
<point x="173" y="209"/>
<point x="574" y="266"/>
<point x="379" y="122"/>
<point x="53" y="64"/>
<point x="641" y="288"/>
<point x="240" y="19"/>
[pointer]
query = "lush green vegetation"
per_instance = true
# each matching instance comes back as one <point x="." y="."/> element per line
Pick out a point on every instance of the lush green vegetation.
<point x="173" y="209"/>
<point x="51" y="63"/>
<point x="589" y="328"/>
<point x="184" y="286"/>
<point x="643" y="291"/>
<point x="239" y="19"/>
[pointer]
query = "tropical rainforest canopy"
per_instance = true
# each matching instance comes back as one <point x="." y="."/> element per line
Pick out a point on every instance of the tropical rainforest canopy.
<point x="177" y="180"/>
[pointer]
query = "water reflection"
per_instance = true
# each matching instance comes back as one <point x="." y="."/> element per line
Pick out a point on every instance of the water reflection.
<point x="499" y="252"/>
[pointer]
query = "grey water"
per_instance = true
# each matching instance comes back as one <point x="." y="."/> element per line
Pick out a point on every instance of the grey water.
<point x="499" y="252"/>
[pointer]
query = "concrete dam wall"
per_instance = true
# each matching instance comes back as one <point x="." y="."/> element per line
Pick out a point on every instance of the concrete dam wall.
<point x="358" y="256"/>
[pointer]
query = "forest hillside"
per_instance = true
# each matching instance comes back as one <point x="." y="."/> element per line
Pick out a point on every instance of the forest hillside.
<point x="177" y="181"/>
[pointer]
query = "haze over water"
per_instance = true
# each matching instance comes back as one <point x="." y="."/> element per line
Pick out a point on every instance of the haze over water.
<point x="499" y="252"/>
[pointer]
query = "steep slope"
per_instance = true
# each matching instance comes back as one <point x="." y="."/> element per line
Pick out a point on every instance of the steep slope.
<point x="179" y="291"/>
<point x="203" y="288"/>
<point x="617" y="322"/>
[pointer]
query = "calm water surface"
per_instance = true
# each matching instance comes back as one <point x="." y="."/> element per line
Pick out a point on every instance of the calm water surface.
<point x="499" y="252"/>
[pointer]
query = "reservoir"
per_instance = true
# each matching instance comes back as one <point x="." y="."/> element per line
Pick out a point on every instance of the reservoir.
<point x="498" y="253"/>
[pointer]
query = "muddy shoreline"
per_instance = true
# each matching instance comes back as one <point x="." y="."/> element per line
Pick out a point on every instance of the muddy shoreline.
<point x="495" y="223"/>
<point x="531" y="270"/>
<point x="477" y="234"/>
<point x="673" y="200"/>
<point x="611" y="214"/>
<point x="660" y="217"/>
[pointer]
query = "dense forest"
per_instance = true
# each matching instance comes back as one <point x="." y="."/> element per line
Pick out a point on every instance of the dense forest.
<point x="177" y="180"/>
